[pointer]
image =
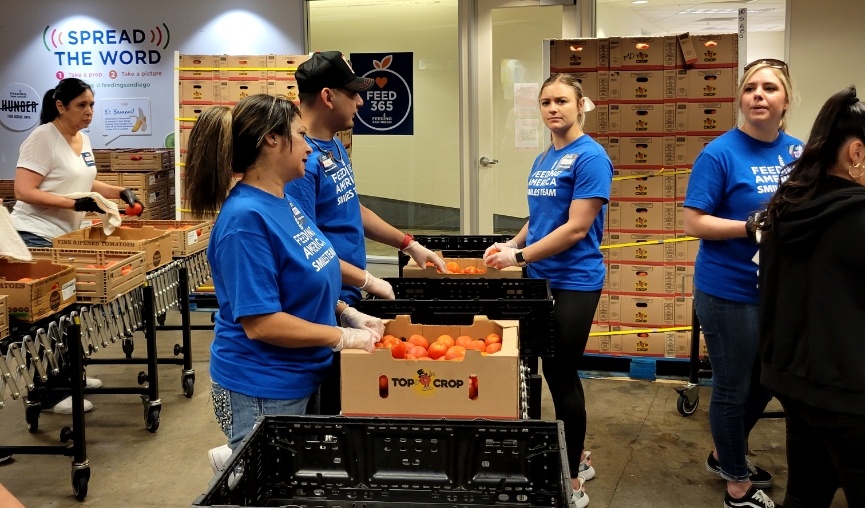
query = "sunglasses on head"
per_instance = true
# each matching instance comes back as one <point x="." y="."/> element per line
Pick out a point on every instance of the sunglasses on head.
<point x="770" y="62"/>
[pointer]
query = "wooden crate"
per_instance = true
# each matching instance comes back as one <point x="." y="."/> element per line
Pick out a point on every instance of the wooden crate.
<point x="155" y="243"/>
<point x="36" y="289"/>
<point x="141" y="160"/>
<point x="147" y="180"/>
<point x="7" y="190"/>
<point x="101" y="276"/>
<point x="4" y="317"/>
<point x="187" y="236"/>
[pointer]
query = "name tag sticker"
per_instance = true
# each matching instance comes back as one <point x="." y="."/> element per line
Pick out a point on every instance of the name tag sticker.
<point x="566" y="162"/>
<point x="88" y="159"/>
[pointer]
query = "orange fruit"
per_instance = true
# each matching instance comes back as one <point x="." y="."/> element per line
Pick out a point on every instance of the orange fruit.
<point x="463" y="340"/>
<point x="447" y="340"/>
<point x="494" y="347"/>
<point x="455" y="352"/>
<point x="419" y="340"/>
<point x="437" y="350"/>
<point x="492" y="339"/>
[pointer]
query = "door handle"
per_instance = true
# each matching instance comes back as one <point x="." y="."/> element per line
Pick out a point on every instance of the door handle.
<point x="485" y="162"/>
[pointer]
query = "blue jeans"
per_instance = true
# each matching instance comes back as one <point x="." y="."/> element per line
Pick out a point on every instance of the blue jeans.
<point x="738" y="399"/>
<point x="236" y="413"/>
<point x="32" y="240"/>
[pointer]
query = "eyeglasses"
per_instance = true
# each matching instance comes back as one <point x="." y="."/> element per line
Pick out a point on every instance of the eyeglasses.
<point x="770" y="62"/>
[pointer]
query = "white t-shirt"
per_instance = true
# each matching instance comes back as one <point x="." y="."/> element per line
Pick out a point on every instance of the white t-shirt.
<point x="46" y="152"/>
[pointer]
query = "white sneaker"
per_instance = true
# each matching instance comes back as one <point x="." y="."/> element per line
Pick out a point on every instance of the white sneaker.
<point x="92" y="382"/>
<point x="586" y="472"/>
<point x="580" y="499"/>
<point x="64" y="407"/>
<point x="218" y="456"/>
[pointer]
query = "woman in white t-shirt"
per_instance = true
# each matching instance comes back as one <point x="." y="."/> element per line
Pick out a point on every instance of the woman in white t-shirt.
<point x="56" y="159"/>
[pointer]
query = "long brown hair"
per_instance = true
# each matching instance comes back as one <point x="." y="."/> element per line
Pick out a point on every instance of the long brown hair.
<point x="841" y="118"/>
<point x="224" y="141"/>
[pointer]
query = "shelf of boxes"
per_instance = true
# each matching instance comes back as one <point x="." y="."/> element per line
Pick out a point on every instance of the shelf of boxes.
<point x="659" y="100"/>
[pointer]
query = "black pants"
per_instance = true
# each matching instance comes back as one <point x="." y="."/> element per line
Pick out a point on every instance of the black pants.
<point x="825" y="451"/>
<point x="573" y="313"/>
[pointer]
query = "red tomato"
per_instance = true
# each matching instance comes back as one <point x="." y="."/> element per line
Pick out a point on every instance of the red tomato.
<point x="437" y="350"/>
<point x="134" y="209"/>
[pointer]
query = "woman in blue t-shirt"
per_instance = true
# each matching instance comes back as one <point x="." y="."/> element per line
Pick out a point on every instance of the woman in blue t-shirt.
<point x="277" y="278"/>
<point x="732" y="178"/>
<point x="568" y="186"/>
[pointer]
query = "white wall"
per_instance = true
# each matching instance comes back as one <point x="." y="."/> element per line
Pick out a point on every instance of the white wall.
<point x="825" y="55"/>
<point x="615" y="21"/>
<point x="193" y="27"/>
<point x="766" y="45"/>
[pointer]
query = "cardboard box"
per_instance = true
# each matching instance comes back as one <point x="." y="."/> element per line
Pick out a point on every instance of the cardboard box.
<point x="199" y="92"/>
<point x="579" y="55"/>
<point x="651" y="344"/>
<point x="602" y="313"/>
<point x="646" y="119"/>
<point x="636" y="184"/>
<point x="683" y="345"/>
<point x="242" y="67"/>
<point x="596" y="336"/>
<point x="643" y="86"/>
<point x="187" y="237"/>
<point x="280" y="67"/>
<point x="141" y="160"/>
<point x="718" y="50"/>
<point x="643" y="152"/>
<point x="412" y="271"/>
<point x="643" y="278"/>
<point x="647" y="311"/>
<point x="712" y="84"/>
<point x="435" y="388"/>
<point x="51" y="288"/>
<point x="642" y="217"/>
<point x="684" y="309"/>
<point x="685" y="280"/>
<point x="4" y="317"/>
<point x="689" y="54"/>
<point x="230" y="92"/>
<point x="686" y="252"/>
<point x="682" y="178"/>
<point x="641" y="248"/>
<point x="705" y="118"/>
<point x="191" y="111"/>
<point x="155" y="243"/>
<point x="100" y="275"/>
<point x="286" y="87"/>
<point x="644" y="53"/>
<point x="198" y="67"/>
<point x="689" y="147"/>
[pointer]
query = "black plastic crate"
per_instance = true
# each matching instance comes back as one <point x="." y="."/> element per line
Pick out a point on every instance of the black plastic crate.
<point x="457" y="301"/>
<point x="454" y="246"/>
<point x="310" y="461"/>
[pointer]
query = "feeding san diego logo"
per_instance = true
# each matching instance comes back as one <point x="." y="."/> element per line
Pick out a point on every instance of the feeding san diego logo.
<point x="77" y="46"/>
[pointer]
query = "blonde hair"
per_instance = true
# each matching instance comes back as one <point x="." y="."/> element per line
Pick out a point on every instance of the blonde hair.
<point x="571" y="81"/>
<point x="785" y="83"/>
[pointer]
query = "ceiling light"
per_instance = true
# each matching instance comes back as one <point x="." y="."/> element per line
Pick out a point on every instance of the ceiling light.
<point x="639" y="1"/>
<point x="721" y="11"/>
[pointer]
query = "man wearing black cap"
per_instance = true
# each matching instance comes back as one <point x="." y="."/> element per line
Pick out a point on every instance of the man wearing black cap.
<point x="330" y="95"/>
<point x="329" y="98"/>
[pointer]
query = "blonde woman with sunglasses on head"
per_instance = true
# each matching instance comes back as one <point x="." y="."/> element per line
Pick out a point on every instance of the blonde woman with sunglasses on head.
<point x="732" y="178"/>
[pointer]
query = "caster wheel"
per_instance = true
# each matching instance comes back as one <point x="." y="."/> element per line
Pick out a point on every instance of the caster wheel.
<point x="178" y="349"/>
<point x="65" y="435"/>
<point x="685" y="407"/>
<point x="188" y="386"/>
<point x="31" y="416"/>
<point x="80" y="479"/>
<point x="142" y="377"/>
<point x="128" y="348"/>
<point x="161" y="319"/>
<point x="151" y="418"/>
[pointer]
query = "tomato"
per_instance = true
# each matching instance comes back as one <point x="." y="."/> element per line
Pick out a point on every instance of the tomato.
<point x="463" y="340"/>
<point x="455" y="353"/>
<point x="473" y="387"/>
<point x="134" y="209"/>
<point x="417" y="351"/>
<point x="382" y="386"/>
<point x="409" y="356"/>
<point x="396" y="346"/>
<point x="419" y="340"/>
<point x="494" y="348"/>
<point x="492" y="339"/>
<point x="437" y="350"/>
<point x="447" y="340"/>
<point x="477" y="345"/>
<point x="25" y="279"/>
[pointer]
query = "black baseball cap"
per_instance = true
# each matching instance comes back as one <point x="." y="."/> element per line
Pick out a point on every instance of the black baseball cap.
<point x="328" y="69"/>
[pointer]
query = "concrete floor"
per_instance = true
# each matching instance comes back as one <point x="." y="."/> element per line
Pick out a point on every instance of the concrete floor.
<point x="645" y="453"/>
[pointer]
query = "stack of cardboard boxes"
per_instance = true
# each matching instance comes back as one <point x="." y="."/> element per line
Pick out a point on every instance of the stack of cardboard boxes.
<point x="659" y="101"/>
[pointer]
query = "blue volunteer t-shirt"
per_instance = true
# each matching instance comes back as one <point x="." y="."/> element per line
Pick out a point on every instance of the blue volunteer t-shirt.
<point x="267" y="257"/>
<point x="734" y="176"/>
<point x="328" y="195"/>
<point x="580" y="170"/>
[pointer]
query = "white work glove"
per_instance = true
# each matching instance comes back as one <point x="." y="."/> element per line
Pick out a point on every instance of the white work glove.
<point x="505" y="257"/>
<point x="422" y="255"/>
<point x="352" y="338"/>
<point x="498" y="247"/>
<point x="378" y="287"/>
<point x="354" y="318"/>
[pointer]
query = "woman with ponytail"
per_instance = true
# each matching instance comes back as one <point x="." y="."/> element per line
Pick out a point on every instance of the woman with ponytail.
<point x="812" y="307"/>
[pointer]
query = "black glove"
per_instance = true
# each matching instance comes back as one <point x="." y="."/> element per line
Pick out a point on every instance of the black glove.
<point x="87" y="205"/>
<point x="129" y="197"/>
<point x="753" y="223"/>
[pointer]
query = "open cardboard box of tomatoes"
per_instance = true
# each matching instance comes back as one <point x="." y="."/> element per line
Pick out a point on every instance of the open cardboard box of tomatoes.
<point x="187" y="236"/>
<point x="470" y="268"/>
<point x="473" y="384"/>
<point x="156" y="243"/>
<point x="36" y="289"/>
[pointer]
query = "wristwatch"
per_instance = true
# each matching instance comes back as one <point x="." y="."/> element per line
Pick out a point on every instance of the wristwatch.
<point x="521" y="260"/>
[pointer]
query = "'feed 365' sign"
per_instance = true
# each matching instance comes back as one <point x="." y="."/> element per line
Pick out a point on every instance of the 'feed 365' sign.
<point x="387" y="106"/>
